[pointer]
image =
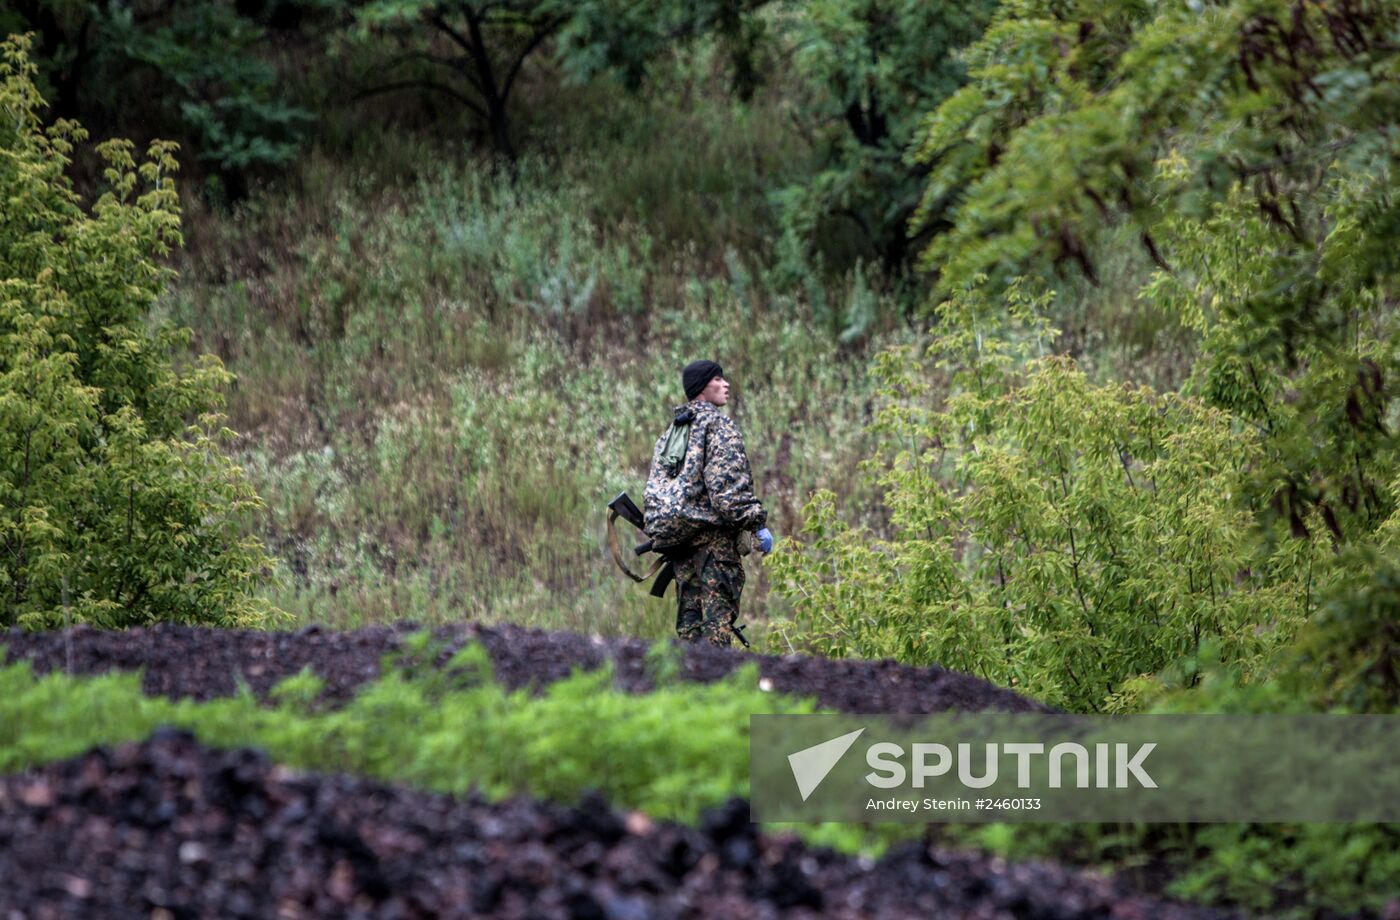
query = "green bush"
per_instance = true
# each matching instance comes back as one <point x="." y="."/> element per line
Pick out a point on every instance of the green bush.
<point x="119" y="505"/>
<point x="1283" y="869"/>
<point x="1287" y="871"/>
<point x="1349" y="655"/>
<point x="198" y="71"/>
<point x="1066" y="539"/>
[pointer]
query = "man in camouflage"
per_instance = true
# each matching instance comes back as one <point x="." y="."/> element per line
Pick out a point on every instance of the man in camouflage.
<point x="716" y="489"/>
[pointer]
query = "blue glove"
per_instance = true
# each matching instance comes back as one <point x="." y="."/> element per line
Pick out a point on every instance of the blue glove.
<point x="765" y="541"/>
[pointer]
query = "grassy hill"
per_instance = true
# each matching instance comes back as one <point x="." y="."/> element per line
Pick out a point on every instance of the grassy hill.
<point x="445" y="370"/>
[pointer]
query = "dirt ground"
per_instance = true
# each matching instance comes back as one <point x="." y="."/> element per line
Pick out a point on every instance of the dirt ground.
<point x="171" y="829"/>
<point x="182" y="661"/>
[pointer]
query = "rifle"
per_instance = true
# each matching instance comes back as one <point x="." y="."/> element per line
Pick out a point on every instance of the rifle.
<point x="623" y="507"/>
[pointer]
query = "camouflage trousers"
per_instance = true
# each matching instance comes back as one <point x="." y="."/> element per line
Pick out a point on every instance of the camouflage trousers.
<point x="707" y="597"/>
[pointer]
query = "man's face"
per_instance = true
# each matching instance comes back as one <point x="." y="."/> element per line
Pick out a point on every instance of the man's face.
<point x="716" y="391"/>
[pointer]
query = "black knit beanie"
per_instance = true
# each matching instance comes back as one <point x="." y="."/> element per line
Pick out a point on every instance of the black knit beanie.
<point x="697" y="375"/>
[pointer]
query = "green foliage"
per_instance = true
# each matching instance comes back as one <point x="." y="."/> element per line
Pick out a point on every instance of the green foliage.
<point x="856" y="75"/>
<point x="197" y="71"/>
<point x="1288" y="871"/>
<point x="223" y="94"/>
<point x="669" y="753"/>
<point x="1297" y="870"/>
<point x="663" y="662"/>
<point x="1281" y="869"/>
<point x="1246" y="148"/>
<point x="709" y="196"/>
<point x="628" y="38"/>
<point x="1063" y="538"/>
<point x="867" y="71"/>
<point x="118" y="504"/>
<point x="471" y="51"/>
<point x="1072" y="107"/>
<point x="1349" y="656"/>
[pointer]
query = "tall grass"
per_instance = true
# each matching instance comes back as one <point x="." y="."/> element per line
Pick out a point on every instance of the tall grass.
<point x="443" y="379"/>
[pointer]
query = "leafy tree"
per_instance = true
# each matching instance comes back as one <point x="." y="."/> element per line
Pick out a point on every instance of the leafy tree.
<point x="1349" y="655"/>
<point x="204" y="60"/>
<point x="470" y="50"/>
<point x="115" y="509"/>
<point x="475" y="50"/>
<point x="68" y="37"/>
<point x="626" y="38"/>
<point x="869" y="71"/>
<point x="1249" y="147"/>
<point x="195" y="66"/>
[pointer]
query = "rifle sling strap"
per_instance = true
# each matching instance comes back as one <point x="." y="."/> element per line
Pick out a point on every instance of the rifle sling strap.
<point x="617" y="553"/>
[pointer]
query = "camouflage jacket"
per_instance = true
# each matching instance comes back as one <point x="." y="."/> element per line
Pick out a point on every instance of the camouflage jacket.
<point x="714" y="486"/>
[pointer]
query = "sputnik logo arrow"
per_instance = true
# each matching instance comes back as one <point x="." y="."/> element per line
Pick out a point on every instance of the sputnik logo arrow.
<point x="811" y="765"/>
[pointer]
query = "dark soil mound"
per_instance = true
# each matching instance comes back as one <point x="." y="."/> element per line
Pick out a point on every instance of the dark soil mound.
<point x="170" y="829"/>
<point x="182" y="661"/>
